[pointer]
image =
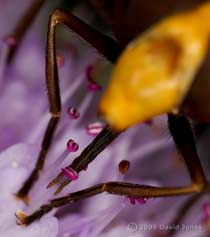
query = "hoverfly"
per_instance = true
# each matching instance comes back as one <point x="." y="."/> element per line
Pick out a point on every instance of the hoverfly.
<point x="162" y="70"/>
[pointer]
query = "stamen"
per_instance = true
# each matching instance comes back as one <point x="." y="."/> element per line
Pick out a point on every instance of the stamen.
<point x="72" y="146"/>
<point x="73" y="113"/>
<point x="132" y="200"/>
<point x="124" y="166"/>
<point x="70" y="173"/>
<point x="95" y="128"/>
<point x="10" y="40"/>
<point x="60" y="60"/>
<point x="142" y="200"/>
<point x="24" y="24"/>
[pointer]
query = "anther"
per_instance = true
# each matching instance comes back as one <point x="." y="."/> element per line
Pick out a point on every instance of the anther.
<point x="95" y="128"/>
<point x="132" y="200"/>
<point x="73" y="113"/>
<point x="93" y="86"/>
<point x="72" y="146"/>
<point x="142" y="200"/>
<point x="70" y="173"/>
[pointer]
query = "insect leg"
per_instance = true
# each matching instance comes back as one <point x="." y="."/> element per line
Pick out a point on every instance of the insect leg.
<point x="101" y="141"/>
<point x="184" y="139"/>
<point x="116" y="188"/>
<point x="103" y="44"/>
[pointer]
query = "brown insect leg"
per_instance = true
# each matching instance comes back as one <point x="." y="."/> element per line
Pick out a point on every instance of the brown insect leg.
<point x="23" y="25"/>
<point x="105" y="45"/>
<point x="184" y="139"/>
<point x="101" y="141"/>
<point x="188" y="150"/>
<point x="108" y="47"/>
<point x="23" y="192"/>
<point x="182" y="134"/>
<point x="116" y="188"/>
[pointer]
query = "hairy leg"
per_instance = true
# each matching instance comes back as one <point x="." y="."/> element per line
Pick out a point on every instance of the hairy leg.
<point x="183" y="137"/>
<point x="116" y="188"/>
<point x="101" y="141"/>
<point x="108" y="47"/>
<point x="182" y="134"/>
